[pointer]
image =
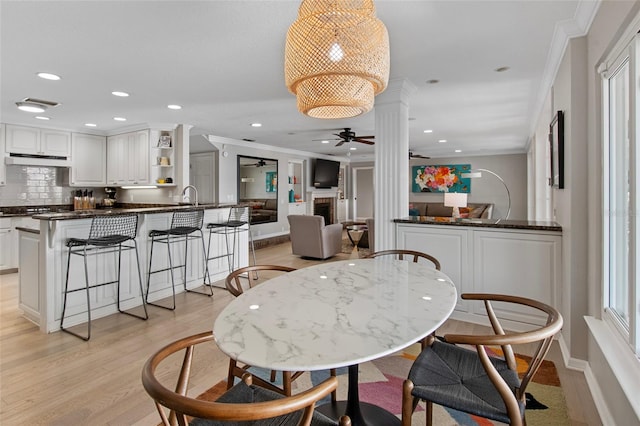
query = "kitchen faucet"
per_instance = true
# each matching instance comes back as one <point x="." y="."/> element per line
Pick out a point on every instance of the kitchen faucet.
<point x="186" y="188"/>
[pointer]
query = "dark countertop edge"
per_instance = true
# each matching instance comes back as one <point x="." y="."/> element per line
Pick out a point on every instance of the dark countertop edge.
<point x="87" y="214"/>
<point x="30" y="230"/>
<point x="483" y="223"/>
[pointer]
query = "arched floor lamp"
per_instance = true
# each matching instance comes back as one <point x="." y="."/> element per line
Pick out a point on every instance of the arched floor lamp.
<point x="476" y="173"/>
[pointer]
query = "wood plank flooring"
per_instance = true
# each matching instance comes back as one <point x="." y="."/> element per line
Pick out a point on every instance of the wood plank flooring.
<point x="57" y="379"/>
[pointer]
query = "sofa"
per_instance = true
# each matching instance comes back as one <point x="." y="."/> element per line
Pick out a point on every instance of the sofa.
<point x="310" y="237"/>
<point x="262" y="210"/>
<point x="435" y="209"/>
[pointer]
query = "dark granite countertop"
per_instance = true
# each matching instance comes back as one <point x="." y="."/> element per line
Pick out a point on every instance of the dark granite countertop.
<point x="127" y="209"/>
<point x="482" y="223"/>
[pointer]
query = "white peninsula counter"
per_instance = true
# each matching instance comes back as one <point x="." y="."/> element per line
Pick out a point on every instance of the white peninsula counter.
<point x="522" y="258"/>
<point x="43" y="258"/>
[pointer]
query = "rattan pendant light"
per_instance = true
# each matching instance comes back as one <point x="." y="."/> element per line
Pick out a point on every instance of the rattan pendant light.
<point x="336" y="58"/>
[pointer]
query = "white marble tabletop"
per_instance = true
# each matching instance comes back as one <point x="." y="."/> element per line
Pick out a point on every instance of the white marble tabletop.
<point x="335" y="314"/>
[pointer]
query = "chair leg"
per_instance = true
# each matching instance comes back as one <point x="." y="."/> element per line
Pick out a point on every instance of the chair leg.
<point x="231" y="375"/>
<point x="286" y="382"/>
<point x="407" y="402"/>
<point x="334" y="394"/>
<point x="429" y="413"/>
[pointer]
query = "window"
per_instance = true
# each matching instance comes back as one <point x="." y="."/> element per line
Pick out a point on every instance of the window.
<point x="621" y="189"/>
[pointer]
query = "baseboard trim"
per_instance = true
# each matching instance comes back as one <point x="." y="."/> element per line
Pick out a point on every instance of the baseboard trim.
<point x="598" y="398"/>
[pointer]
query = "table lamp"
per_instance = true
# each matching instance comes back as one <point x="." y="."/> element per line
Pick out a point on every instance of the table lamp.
<point x="455" y="200"/>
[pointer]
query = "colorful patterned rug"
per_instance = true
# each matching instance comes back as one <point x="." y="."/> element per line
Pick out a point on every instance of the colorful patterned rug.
<point x="381" y="384"/>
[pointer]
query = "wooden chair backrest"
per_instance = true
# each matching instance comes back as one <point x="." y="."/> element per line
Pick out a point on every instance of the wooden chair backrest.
<point x="181" y="406"/>
<point x="543" y="335"/>
<point x="401" y="253"/>
<point x="233" y="281"/>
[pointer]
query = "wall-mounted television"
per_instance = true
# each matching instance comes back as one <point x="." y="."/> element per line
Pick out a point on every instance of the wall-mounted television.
<point x="325" y="173"/>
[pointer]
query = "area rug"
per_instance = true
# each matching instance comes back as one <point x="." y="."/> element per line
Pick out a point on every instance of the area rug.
<point x="381" y="384"/>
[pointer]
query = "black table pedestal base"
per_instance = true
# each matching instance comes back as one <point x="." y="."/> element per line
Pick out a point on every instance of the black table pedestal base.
<point x="370" y="415"/>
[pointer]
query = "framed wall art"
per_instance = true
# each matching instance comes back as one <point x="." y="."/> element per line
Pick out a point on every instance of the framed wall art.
<point x="556" y="147"/>
<point x="440" y="178"/>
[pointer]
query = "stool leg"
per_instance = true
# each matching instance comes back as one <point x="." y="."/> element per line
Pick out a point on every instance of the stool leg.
<point x="139" y="275"/>
<point x="206" y="270"/>
<point x="173" y="281"/>
<point x="64" y="303"/>
<point x="135" y="247"/>
<point x="146" y="297"/>
<point x="186" y="250"/>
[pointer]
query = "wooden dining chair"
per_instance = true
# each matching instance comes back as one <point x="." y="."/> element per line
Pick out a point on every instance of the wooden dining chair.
<point x="243" y="402"/>
<point x="236" y="282"/>
<point x="472" y="381"/>
<point x="410" y="254"/>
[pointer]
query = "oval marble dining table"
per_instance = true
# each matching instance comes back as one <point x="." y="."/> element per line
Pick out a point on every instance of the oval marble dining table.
<point x="336" y="314"/>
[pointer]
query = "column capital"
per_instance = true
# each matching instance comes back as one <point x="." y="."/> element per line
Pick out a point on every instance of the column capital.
<point x="398" y="90"/>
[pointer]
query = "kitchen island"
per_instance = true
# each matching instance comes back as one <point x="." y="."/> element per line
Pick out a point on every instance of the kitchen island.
<point x="48" y="262"/>
<point x="516" y="257"/>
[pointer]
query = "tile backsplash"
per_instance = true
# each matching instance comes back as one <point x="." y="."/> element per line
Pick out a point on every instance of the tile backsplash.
<point x="38" y="185"/>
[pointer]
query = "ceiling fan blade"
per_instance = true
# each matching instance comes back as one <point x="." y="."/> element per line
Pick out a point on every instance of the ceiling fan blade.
<point x="367" y="137"/>
<point x="358" y="139"/>
<point x="319" y="140"/>
<point x="341" y="142"/>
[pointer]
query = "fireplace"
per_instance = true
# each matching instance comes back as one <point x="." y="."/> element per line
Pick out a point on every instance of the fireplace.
<point x="325" y="207"/>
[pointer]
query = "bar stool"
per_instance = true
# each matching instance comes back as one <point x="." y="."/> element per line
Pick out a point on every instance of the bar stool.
<point x="184" y="223"/>
<point x="238" y="221"/>
<point x="108" y="234"/>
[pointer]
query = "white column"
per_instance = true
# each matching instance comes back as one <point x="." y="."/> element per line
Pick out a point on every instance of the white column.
<point x="391" y="173"/>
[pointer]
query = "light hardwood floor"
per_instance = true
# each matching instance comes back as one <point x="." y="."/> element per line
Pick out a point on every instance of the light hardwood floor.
<point x="57" y="379"/>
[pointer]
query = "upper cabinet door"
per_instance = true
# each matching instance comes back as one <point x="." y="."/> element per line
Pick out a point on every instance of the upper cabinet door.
<point x="54" y="142"/>
<point x="35" y="141"/>
<point x="88" y="160"/>
<point x="22" y="140"/>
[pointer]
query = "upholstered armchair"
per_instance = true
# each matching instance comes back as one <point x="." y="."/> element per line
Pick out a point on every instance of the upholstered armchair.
<point x="310" y="237"/>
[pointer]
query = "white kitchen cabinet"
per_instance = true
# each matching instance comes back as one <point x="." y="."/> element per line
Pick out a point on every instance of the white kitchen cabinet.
<point x="128" y="159"/>
<point x="3" y="168"/>
<point x="520" y="262"/>
<point x="36" y="141"/>
<point x="88" y="160"/>
<point x="8" y="244"/>
<point x="29" y="284"/>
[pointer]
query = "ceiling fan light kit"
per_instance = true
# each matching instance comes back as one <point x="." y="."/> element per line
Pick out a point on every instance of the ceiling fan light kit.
<point x="336" y="58"/>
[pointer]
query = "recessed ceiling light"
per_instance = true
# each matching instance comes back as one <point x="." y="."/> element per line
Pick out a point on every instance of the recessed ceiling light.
<point x="121" y="94"/>
<point x="174" y="106"/>
<point x="428" y="131"/>
<point x="30" y="107"/>
<point x="325" y="141"/>
<point x="458" y="150"/>
<point x="256" y="124"/>
<point x="442" y="141"/>
<point x="502" y="69"/>
<point x="90" y="124"/>
<point x="42" y="117"/>
<point x="48" y="76"/>
<point x="353" y="148"/>
<point x="119" y="118"/>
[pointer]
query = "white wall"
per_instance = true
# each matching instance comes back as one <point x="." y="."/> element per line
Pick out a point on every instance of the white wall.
<point x="488" y="189"/>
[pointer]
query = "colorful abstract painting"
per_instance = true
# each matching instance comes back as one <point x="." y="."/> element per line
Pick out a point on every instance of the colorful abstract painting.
<point x="441" y="178"/>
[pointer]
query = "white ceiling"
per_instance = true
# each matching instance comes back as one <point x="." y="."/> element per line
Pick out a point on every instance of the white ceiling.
<point x="223" y="62"/>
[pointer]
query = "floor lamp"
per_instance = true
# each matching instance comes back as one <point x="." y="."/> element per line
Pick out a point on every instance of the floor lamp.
<point x="476" y="173"/>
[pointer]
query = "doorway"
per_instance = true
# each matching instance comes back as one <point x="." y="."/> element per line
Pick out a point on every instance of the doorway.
<point x="362" y="193"/>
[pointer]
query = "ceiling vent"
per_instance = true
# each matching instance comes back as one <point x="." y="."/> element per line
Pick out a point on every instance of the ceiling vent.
<point x="48" y="104"/>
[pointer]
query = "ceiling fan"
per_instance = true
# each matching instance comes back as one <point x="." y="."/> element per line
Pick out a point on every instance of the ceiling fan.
<point x="348" y="136"/>
<point x="260" y="163"/>
<point x="412" y="155"/>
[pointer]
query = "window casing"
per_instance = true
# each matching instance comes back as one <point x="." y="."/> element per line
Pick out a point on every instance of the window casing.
<point x="621" y="188"/>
